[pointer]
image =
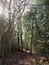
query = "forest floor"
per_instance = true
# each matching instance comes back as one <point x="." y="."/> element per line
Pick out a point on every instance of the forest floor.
<point x="22" y="58"/>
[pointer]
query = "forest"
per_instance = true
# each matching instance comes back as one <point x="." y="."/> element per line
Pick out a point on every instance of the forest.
<point x="24" y="32"/>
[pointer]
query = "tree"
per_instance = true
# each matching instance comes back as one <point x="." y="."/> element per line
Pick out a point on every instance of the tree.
<point x="29" y="17"/>
<point x="12" y="17"/>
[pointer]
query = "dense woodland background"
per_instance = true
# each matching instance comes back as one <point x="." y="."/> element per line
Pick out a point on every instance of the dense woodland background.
<point x="24" y="26"/>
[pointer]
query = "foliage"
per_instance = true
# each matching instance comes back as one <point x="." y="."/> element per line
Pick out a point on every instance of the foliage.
<point x="25" y="30"/>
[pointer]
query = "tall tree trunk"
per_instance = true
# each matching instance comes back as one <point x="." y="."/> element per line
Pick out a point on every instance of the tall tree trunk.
<point x="21" y="41"/>
<point x="18" y="42"/>
<point x="2" y="49"/>
<point x="31" y="44"/>
<point x="10" y="25"/>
